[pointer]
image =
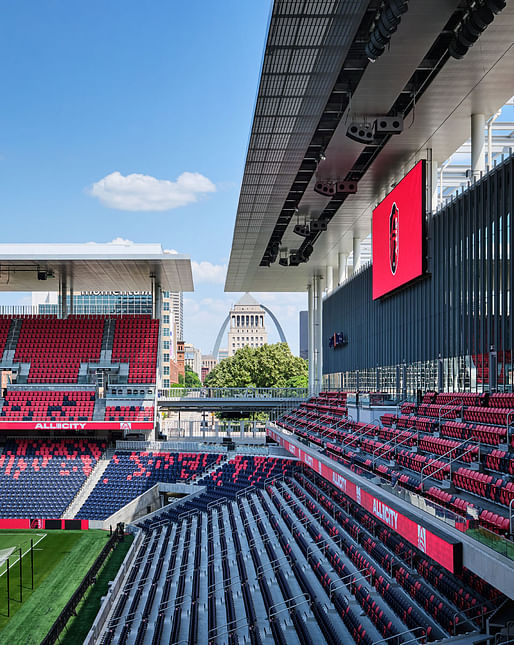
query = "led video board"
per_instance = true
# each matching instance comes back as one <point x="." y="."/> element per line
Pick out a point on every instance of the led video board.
<point x="398" y="232"/>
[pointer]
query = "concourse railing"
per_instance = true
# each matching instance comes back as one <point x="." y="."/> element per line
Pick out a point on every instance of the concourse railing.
<point x="297" y="393"/>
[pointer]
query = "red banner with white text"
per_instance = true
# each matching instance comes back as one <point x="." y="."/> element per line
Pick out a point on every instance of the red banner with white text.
<point x="129" y="426"/>
<point x="446" y="553"/>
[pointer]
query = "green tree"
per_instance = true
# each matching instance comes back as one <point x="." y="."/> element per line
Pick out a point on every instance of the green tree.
<point x="266" y="366"/>
<point x="191" y="378"/>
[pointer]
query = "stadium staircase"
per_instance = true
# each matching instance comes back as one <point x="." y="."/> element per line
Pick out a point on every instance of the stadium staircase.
<point x="107" y="340"/>
<point x="88" y="485"/>
<point x="11" y="341"/>
<point x="99" y="411"/>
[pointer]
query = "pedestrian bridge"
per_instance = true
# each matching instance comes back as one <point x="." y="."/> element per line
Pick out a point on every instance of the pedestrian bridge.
<point x="230" y="399"/>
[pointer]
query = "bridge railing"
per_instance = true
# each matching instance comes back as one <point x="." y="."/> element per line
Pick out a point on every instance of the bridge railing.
<point x="298" y="393"/>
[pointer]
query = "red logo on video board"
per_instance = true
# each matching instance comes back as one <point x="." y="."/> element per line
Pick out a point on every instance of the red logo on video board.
<point x="393" y="238"/>
<point x="398" y="234"/>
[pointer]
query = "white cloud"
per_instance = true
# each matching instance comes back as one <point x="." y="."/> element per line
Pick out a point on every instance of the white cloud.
<point x="121" y="240"/>
<point x="208" y="272"/>
<point x="137" y="192"/>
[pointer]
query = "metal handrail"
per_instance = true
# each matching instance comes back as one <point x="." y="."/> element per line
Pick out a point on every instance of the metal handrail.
<point x="306" y="598"/>
<point x="450" y="404"/>
<point x="407" y="631"/>
<point x="227" y="627"/>
<point x="509" y="414"/>
<point x="260" y="571"/>
<point x="393" y="440"/>
<point x="448" y="452"/>
<point x="463" y="612"/>
<point x="342" y="423"/>
<point x="399" y="406"/>
<point x="334" y="585"/>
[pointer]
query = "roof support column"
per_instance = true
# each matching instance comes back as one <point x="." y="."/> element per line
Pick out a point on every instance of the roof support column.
<point x="432" y="182"/>
<point x="356" y="254"/>
<point x="318" y="345"/>
<point x="329" y="279"/>
<point x="158" y="301"/>
<point x="70" y="291"/>
<point x="477" y="145"/>
<point x="62" y="303"/>
<point x="310" y="344"/>
<point x="153" y="290"/>
<point x="342" y="267"/>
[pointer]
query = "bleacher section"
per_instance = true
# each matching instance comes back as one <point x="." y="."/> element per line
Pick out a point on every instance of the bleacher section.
<point x="136" y="341"/>
<point x="39" y="478"/>
<point x="44" y="405"/>
<point x="53" y="349"/>
<point x="5" y="325"/>
<point x="129" y="474"/>
<point x="56" y="347"/>
<point x="240" y="473"/>
<point x="297" y="562"/>
<point x="422" y="444"/>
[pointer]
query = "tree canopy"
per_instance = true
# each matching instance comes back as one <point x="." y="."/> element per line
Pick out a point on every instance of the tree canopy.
<point x="266" y="366"/>
<point x="191" y="378"/>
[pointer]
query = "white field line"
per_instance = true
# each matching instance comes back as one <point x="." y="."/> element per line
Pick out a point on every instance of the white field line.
<point x="41" y="536"/>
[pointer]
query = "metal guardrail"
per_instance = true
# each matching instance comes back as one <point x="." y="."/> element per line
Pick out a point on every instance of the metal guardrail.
<point x="234" y="393"/>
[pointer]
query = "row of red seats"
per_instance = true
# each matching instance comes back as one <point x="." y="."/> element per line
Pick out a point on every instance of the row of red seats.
<point x="491" y="435"/>
<point x="420" y="463"/>
<point x="501" y="400"/>
<point x="444" y="412"/>
<point x="136" y="341"/>
<point x="5" y="324"/>
<point x="459" y="398"/>
<point x="453" y="502"/>
<point x="494" y="522"/>
<point x="56" y="347"/>
<point x="487" y="486"/>
<point x="403" y="437"/>
<point x="500" y="460"/>
<point x="449" y="448"/>
<point x="129" y="413"/>
<point x="496" y="416"/>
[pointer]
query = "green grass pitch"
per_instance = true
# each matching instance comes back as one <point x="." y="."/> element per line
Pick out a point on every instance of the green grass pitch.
<point x="61" y="559"/>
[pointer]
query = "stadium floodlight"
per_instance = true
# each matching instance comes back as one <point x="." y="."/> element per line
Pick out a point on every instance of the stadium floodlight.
<point x="386" y="24"/>
<point x="474" y="23"/>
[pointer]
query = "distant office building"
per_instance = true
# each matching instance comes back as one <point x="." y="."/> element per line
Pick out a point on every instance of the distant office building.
<point x="222" y="354"/>
<point x="208" y="364"/>
<point x="176" y="304"/>
<point x="304" y="334"/>
<point x="246" y="325"/>
<point x="193" y="358"/>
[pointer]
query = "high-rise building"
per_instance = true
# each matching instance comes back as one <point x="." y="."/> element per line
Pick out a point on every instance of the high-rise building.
<point x="304" y="334"/>
<point x="246" y="325"/>
<point x="193" y="358"/>
<point x="208" y="364"/>
<point x="176" y="301"/>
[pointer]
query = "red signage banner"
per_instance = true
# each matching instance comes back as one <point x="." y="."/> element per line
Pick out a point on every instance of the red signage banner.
<point x="398" y="233"/>
<point x="130" y="426"/>
<point x="445" y="553"/>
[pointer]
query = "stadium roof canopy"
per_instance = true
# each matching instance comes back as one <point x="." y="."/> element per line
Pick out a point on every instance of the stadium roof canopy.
<point x="99" y="267"/>
<point x="316" y="79"/>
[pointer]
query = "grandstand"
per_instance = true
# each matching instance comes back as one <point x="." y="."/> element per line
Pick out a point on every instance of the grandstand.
<point x="381" y="508"/>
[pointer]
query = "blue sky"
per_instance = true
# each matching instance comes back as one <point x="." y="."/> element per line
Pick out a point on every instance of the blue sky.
<point x="105" y="105"/>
